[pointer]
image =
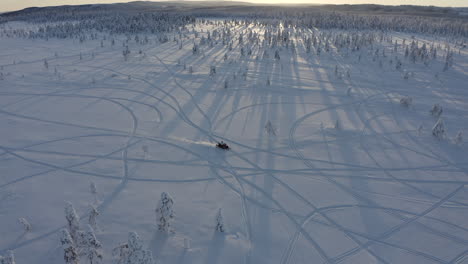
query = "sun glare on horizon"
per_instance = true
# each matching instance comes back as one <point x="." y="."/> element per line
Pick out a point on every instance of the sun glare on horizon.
<point x="10" y="5"/>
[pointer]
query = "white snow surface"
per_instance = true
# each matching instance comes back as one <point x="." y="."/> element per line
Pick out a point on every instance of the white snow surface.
<point x="380" y="189"/>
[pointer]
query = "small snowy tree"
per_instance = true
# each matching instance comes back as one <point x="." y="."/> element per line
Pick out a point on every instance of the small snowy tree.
<point x="406" y="101"/>
<point x="436" y="110"/>
<point x="8" y="259"/>
<point x="439" y="129"/>
<point x="220" y="221"/>
<point x="70" y="253"/>
<point x="26" y="225"/>
<point x="337" y="125"/>
<point x="46" y="64"/>
<point x="212" y="71"/>
<point x="270" y="129"/>
<point x="94" y="191"/>
<point x="164" y="212"/>
<point x="277" y="55"/>
<point x="93" y="214"/>
<point x="133" y="252"/>
<point x="72" y="221"/>
<point x="92" y="247"/>
<point x="459" y="138"/>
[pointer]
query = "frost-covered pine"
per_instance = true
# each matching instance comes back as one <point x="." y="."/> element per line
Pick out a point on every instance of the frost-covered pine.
<point x="439" y="129"/>
<point x="70" y="253"/>
<point x="459" y="138"/>
<point x="337" y="125"/>
<point x="92" y="247"/>
<point x="277" y="55"/>
<point x="226" y="84"/>
<point x="436" y="110"/>
<point x="93" y="214"/>
<point x="93" y="189"/>
<point x="406" y="101"/>
<point x="195" y="49"/>
<point x="26" y="225"/>
<point x="220" y="221"/>
<point x="164" y="212"/>
<point x="136" y="253"/>
<point x="46" y="64"/>
<point x="8" y="259"/>
<point x="73" y="223"/>
<point x="270" y="129"/>
<point x="212" y="71"/>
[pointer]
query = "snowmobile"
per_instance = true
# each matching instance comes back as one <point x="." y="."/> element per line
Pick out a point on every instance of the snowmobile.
<point x="222" y="145"/>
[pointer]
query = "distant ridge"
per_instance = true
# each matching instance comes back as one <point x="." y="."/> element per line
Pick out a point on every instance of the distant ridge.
<point x="241" y="8"/>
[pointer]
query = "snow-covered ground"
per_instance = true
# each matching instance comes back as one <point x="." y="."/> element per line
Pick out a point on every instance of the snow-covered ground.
<point x="351" y="176"/>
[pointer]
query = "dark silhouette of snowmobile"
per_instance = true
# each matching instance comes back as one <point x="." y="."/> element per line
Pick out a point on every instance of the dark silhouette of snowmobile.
<point x="222" y="145"/>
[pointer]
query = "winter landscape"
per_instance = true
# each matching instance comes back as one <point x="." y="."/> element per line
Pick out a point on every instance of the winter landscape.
<point x="345" y="127"/>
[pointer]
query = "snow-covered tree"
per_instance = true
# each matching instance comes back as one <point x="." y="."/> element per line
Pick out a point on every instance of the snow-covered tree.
<point x="93" y="189"/>
<point x="70" y="252"/>
<point x="212" y="71"/>
<point x="8" y="259"/>
<point x="195" y="49"/>
<point x="270" y="129"/>
<point x="439" y="129"/>
<point x="459" y="138"/>
<point x="277" y="55"/>
<point x="73" y="223"/>
<point x="436" y="110"/>
<point x="133" y="252"/>
<point x="93" y="214"/>
<point x="92" y="247"/>
<point x="26" y="225"/>
<point x="406" y="101"/>
<point x="164" y="212"/>
<point x="220" y="221"/>
<point x="337" y="125"/>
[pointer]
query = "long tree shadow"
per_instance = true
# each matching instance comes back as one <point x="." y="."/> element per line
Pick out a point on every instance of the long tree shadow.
<point x="216" y="248"/>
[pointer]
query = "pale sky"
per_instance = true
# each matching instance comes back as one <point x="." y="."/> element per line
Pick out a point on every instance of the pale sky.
<point x="9" y="5"/>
